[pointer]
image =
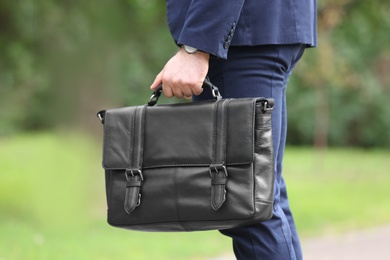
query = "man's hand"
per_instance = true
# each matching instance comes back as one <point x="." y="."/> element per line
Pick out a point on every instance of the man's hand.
<point x="183" y="75"/>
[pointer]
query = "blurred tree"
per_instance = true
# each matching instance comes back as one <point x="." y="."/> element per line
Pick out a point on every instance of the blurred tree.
<point x="341" y="90"/>
<point x="62" y="61"/>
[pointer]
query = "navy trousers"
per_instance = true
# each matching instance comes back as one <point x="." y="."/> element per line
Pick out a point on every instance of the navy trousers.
<point x="262" y="71"/>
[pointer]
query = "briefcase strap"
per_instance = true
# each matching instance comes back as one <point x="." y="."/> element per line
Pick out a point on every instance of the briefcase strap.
<point x="133" y="174"/>
<point x="218" y="172"/>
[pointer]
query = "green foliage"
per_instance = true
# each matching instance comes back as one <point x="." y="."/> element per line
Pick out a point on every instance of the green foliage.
<point x="61" y="61"/>
<point x="340" y="91"/>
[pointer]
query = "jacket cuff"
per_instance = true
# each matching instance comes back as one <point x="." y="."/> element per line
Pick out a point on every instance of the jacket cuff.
<point x="210" y="29"/>
<point x="215" y="47"/>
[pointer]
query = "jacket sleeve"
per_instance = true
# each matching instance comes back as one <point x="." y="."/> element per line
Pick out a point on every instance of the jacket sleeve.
<point x="207" y="25"/>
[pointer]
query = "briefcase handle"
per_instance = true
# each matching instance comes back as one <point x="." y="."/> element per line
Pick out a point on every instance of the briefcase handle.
<point x="157" y="93"/>
<point x="206" y="84"/>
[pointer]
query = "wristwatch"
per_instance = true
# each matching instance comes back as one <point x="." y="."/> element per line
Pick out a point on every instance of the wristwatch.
<point x="189" y="49"/>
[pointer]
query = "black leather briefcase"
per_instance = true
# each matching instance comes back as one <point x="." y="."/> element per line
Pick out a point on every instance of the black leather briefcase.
<point x="189" y="166"/>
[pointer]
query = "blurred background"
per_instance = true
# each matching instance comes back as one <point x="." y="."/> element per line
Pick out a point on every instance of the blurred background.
<point x="62" y="61"/>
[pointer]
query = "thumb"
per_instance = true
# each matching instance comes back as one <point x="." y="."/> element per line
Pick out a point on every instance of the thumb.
<point x="157" y="81"/>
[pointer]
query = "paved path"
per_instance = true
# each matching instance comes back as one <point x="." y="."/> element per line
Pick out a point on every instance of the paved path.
<point x="359" y="245"/>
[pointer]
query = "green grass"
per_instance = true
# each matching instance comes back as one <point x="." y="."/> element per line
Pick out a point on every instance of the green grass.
<point x="52" y="201"/>
<point x="339" y="189"/>
<point x="52" y="206"/>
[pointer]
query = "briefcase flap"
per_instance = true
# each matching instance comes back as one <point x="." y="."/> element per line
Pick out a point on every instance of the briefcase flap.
<point x="182" y="134"/>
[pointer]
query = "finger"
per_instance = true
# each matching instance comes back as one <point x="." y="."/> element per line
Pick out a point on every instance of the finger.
<point x="167" y="91"/>
<point x="177" y="92"/>
<point x="187" y="91"/>
<point x="157" y="81"/>
<point x="197" y="89"/>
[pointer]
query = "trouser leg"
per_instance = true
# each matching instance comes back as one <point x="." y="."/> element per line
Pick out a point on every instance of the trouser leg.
<point x="262" y="71"/>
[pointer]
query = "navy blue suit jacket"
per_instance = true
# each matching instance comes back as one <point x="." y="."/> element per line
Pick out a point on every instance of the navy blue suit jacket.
<point x="213" y="25"/>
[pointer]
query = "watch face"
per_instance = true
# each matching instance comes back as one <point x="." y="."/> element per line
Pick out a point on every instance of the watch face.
<point x="190" y="49"/>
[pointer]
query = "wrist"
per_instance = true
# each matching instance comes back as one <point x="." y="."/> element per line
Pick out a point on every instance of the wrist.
<point x="197" y="54"/>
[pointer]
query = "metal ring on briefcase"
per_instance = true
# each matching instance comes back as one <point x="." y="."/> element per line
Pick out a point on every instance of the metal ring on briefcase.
<point x="206" y="84"/>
